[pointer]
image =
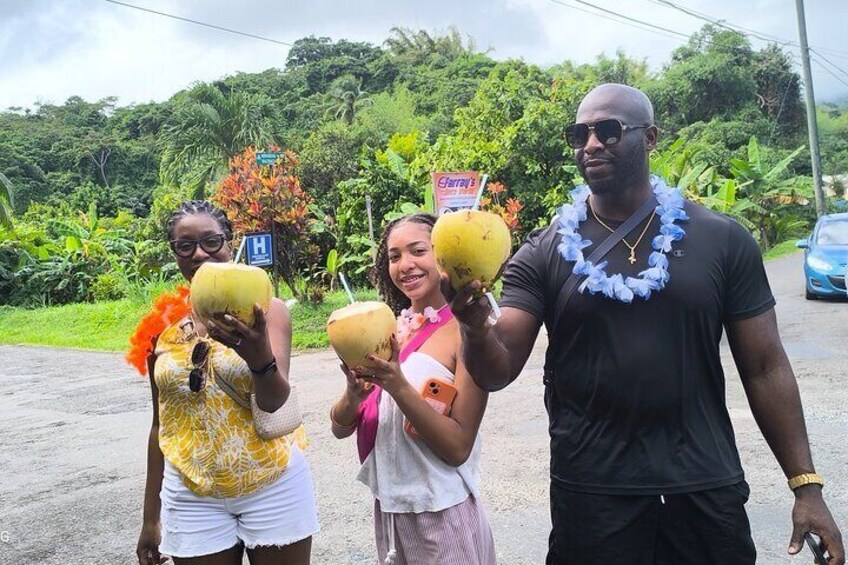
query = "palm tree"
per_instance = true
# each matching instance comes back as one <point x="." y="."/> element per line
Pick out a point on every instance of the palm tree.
<point x="206" y="130"/>
<point x="416" y="46"/>
<point x="7" y="201"/>
<point x="345" y="98"/>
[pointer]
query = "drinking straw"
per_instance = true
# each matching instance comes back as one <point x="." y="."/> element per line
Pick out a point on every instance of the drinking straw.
<point x="370" y="217"/>
<point x="240" y="249"/>
<point x="496" y="310"/>
<point x="480" y="192"/>
<point x="347" y="288"/>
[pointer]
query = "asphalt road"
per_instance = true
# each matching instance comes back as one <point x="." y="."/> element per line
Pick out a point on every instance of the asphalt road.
<point x="73" y="428"/>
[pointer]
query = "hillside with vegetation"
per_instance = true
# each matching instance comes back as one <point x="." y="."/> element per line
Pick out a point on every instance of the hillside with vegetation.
<point x="85" y="186"/>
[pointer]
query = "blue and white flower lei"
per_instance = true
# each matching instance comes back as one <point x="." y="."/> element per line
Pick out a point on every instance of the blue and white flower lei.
<point x="653" y="279"/>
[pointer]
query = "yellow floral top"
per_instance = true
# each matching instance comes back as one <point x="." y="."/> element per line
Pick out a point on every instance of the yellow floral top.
<point x="207" y="436"/>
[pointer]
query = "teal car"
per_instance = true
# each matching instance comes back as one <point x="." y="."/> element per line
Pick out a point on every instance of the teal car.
<point x="826" y="256"/>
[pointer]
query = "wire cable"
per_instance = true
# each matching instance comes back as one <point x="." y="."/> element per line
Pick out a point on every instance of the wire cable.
<point x="612" y="16"/>
<point x="831" y="73"/>
<point x="724" y="23"/>
<point x="746" y="31"/>
<point x="196" y="22"/>
<point x="623" y="19"/>
<point x="834" y="52"/>
<point x="831" y="63"/>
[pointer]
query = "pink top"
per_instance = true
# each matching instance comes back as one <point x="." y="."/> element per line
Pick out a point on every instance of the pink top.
<point x="368" y="411"/>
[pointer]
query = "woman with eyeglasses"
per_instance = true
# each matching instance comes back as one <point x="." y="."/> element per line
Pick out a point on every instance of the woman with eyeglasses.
<point x="214" y="488"/>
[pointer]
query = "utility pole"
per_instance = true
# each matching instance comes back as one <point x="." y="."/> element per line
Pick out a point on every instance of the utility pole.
<point x="812" y="125"/>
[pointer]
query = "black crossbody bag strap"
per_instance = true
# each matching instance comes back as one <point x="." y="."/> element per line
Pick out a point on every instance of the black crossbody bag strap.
<point x="571" y="284"/>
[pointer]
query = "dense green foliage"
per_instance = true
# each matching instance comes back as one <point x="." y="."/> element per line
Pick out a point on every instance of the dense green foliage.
<point x="85" y="186"/>
<point x="833" y="130"/>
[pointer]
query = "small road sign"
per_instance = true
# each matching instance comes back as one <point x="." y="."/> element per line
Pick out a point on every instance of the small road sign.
<point x="260" y="249"/>
<point x="263" y="159"/>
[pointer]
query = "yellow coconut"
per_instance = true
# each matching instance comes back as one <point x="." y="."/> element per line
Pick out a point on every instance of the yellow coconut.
<point x="229" y="288"/>
<point x="471" y="245"/>
<point x="361" y="329"/>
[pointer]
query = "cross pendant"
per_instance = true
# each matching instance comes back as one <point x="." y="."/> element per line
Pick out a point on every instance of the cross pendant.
<point x="632" y="257"/>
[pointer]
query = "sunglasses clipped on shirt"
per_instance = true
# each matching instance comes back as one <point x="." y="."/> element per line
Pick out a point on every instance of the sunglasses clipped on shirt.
<point x="199" y="358"/>
<point x="210" y="244"/>
<point x="608" y="132"/>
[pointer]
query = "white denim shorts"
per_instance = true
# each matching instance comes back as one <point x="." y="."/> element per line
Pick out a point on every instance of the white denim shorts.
<point x="280" y="514"/>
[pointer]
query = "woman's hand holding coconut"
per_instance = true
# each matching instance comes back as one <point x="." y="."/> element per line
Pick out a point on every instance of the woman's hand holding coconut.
<point x="344" y="413"/>
<point x="358" y="388"/>
<point x="234" y="302"/>
<point x="355" y="332"/>
<point x="385" y="374"/>
<point x="251" y="343"/>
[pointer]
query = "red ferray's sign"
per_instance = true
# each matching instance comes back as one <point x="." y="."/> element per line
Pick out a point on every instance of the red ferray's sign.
<point x="454" y="191"/>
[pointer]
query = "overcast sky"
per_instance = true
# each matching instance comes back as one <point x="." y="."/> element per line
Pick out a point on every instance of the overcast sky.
<point x="53" y="49"/>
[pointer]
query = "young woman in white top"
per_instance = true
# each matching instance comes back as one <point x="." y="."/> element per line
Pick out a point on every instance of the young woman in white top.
<point x="425" y="485"/>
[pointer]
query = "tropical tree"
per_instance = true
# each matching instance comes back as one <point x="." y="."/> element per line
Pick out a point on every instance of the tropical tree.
<point x="712" y="76"/>
<point x="833" y="129"/>
<point x="98" y="148"/>
<point x="330" y="155"/>
<point x="768" y="201"/>
<point x="208" y="128"/>
<point x="345" y="98"/>
<point x="7" y="201"/>
<point x="768" y="189"/>
<point x="315" y="62"/>
<point x="88" y="236"/>
<point x="387" y="179"/>
<point x="415" y="47"/>
<point x="621" y="69"/>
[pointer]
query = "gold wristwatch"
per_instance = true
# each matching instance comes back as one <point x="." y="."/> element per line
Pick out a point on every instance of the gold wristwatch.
<point x="805" y="479"/>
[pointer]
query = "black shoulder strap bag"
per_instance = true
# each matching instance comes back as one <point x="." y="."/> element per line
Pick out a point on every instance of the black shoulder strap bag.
<point x="567" y="290"/>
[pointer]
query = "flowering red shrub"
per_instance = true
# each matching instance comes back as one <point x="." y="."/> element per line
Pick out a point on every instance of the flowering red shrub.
<point x="507" y="210"/>
<point x="257" y="197"/>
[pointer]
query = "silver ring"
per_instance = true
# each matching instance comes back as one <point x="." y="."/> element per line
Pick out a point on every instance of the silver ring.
<point x="238" y="342"/>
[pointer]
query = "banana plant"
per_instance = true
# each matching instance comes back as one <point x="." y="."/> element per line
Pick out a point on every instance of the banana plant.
<point x="87" y="236"/>
<point x="676" y="164"/>
<point x="765" y="186"/>
<point x="765" y="190"/>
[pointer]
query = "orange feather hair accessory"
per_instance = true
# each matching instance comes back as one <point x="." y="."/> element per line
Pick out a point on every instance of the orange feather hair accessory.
<point x="168" y="308"/>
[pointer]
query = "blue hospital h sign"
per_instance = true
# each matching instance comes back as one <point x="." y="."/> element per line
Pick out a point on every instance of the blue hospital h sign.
<point x="260" y="251"/>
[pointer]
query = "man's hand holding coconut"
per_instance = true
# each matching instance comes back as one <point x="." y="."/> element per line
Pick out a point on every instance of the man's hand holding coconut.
<point x="471" y="248"/>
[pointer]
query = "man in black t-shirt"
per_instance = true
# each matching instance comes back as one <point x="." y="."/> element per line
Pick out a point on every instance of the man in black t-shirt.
<point x="644" y="466"/>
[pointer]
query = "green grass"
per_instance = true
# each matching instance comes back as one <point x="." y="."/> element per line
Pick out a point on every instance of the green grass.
<point x="309" y="323"/>
<point x="781" y="250"/>
<point x="103" y="325"/>
<point x="106" y="326"/>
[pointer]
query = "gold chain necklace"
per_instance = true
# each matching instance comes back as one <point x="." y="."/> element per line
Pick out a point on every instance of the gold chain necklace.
<point x="633" y="247"/>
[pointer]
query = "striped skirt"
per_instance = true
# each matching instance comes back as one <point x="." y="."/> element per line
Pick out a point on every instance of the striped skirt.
<point x="459" y="535"/>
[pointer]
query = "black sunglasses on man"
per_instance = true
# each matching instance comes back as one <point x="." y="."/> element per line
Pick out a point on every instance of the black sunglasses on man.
<point x="608" y="132"/>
